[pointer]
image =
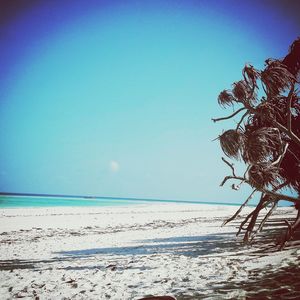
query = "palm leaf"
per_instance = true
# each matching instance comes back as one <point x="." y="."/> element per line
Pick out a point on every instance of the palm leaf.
<point x="251" y="75"/>
<point x="276" y="77"/>
<point x="226" y="98"/>
<point x="264" y="174"/>
<point x="243" y="92"/>
<point x="261" y="145"/>
<point x="231" y="142"/>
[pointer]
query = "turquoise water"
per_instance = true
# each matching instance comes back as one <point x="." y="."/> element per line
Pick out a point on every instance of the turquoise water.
<point x="28" y="201"/>
<point x="15" y="201"/>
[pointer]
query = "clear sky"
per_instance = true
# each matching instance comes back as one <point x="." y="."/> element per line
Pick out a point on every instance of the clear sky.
<point x="115" y="98"/>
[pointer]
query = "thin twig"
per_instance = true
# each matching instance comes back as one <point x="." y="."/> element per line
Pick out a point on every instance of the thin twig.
<point x="231" y="177"/>
<point x="280" y="158"/>
<point x="281" y="196"/>
<point x="289" y="119"/>
<point x="261" y="225"/>
<point x="263" y="190"/>
<point x="230" y="116"/>
<point x="241" y="120"/>
<point x="259" y="207"/>
<point x="287" y="235"/>
<point x="249" y="166"/>
<point x="240" y="209"/>
<point x="288" y="132"/>
<point x="280" y="186"/>
<point x="244" y="222"/>
<point x="230" y="165"/>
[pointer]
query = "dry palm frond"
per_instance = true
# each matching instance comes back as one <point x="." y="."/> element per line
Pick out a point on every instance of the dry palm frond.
<point x="261" y="175"/>
<point x="243" y="92"/>
<point x="262" y="145"/>
<point x="266" y="112"/>
<point x="232" y="143"/>
<point x="226" y="98"/>
<point x="276" y="77"/>
<point x="292" y="60"/>
<point x="240" y="90"/>
<point x="250" y="75"/>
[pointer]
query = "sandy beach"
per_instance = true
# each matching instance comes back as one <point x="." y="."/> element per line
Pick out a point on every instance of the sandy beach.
<point x="134" y="251"/>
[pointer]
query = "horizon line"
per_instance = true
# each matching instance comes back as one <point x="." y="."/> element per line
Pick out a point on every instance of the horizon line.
<point x="115" y="198"/>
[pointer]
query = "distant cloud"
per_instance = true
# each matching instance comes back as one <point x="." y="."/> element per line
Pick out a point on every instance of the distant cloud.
<point x="114" y="166"/>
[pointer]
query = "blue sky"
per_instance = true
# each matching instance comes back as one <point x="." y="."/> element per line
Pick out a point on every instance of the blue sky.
<point x="116" y="97"/>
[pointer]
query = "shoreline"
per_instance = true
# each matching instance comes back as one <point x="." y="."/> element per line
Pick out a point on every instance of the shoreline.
<point x="99" y="199"/>
<point x="128" y="252"/>
<point x="95" y="197"/>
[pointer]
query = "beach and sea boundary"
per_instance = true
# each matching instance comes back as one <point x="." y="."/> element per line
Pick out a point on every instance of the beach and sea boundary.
<point x="137" y="250"/>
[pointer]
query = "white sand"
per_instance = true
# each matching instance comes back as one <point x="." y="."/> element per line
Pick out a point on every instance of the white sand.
<point x="124" y="252"/>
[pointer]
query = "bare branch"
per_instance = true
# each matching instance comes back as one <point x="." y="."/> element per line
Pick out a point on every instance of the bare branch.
<point x="247" y="170"/>
<point x="289" y="120"/>
<point x="259" y="207"/>
<point x="230" y="165"/>
<point x="279" y="187"/>
<point x="287" y="235"/>
<point x="229" y="117"/>
<point x="244" y="222"/>
<point x="281" y="196"/>
<point x="261" y="225"/>
<point x="280" y="158"/>
<point x="240" y="209"/>
<point x="289" y="225"/>
<point x="241" y="120"/>
<point x="290" y="230"/>
<point x="288" y="132"/>
<point x="230" y="177"/>
<point x="263" y="190"/>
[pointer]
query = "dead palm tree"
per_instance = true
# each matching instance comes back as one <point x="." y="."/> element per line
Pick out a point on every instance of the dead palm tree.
<point x="267" y="137"/>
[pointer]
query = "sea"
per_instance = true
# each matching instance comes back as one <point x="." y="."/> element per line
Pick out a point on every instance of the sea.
<point x="19" y="201"/>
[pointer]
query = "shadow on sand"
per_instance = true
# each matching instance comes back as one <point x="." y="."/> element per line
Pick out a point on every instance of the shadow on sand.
<point x="191" y="246"/>
<point x="210" y="244"/>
